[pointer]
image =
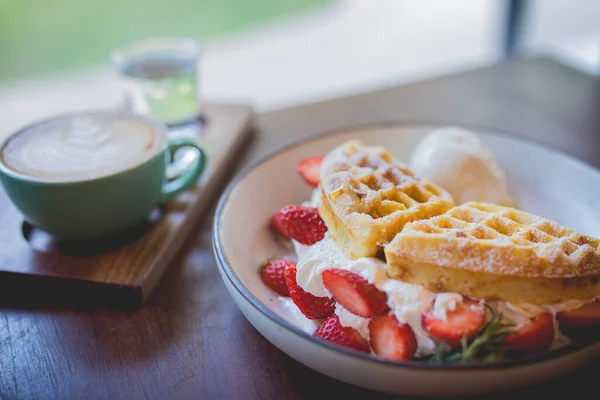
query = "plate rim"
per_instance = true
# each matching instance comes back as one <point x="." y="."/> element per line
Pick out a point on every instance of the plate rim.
<point x="224" y="265"/>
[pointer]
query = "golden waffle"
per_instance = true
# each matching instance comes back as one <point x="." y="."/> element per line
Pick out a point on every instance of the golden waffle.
<point x="367" y="197"/>
<point x="493" y="252"/>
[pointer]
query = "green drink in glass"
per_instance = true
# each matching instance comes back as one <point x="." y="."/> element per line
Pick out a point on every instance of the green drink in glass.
<point x="160" y="78"/>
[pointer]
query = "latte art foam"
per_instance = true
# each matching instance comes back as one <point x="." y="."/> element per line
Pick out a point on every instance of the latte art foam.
<point x="80" y="147"/>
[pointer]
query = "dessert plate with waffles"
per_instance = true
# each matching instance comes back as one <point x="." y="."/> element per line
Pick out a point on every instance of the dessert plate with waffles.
<point x="394" y="256"/>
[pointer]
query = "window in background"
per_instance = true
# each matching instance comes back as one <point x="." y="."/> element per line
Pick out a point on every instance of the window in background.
<point x="273" y="53"/>
<point x="45" y="37"/>
<point x="568" y="30"/>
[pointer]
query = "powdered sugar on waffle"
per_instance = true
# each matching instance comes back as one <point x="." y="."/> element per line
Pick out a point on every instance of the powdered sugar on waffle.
<point x="462" y="231"/>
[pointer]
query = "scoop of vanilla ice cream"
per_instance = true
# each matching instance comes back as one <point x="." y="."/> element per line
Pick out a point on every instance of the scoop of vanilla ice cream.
<point x="459" y="162"/>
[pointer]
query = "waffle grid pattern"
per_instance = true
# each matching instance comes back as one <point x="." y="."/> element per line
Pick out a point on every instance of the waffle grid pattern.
<point x="381" y="185"/>
<point x="367" y="197"/>
<point x="492" y="252"/>
<point x="481" y="221"/>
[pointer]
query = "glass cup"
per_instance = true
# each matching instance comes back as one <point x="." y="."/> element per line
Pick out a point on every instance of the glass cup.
<point x="160" y="78"/>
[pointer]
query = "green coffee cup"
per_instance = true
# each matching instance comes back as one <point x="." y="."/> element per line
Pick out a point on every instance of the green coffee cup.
<point x="90" y="175"/>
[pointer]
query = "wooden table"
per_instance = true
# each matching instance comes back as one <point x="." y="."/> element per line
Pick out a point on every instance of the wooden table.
<point x="192" y="342"/>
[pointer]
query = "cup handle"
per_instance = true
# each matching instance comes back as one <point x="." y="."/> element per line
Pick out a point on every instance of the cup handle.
<point x="188" y="176"/>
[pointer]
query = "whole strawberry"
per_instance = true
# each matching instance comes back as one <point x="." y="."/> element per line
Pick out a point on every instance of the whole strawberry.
<point x="312" y="307"/>
<point x="303" y="224"/>
<point x="331" y="329"/>
<point x="272" y="273"/>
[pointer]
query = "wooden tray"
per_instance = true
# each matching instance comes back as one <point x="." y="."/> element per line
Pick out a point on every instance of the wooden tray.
<point x="121" y="271"/>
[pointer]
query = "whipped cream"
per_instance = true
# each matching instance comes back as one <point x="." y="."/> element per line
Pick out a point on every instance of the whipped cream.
<point x="443" y="303"/>
<point x="347" y="318"/>
<point x="292" y="313"/>
<point x="521" y="314"/>
<point x="406" y="301"/>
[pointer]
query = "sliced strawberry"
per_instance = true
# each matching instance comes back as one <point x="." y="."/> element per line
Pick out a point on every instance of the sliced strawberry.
<point x="312" y="307"/>
<point x="310" y="170"/>
<point x="465" y="321"/>
<point x="331" y="329"/>
<point x="301" y="223"/>
<point x="583" y="317"/>
<point x="535" y="337"/>
<point x="354" y="293"/>
<point x="273" y="275"/>
<point x="391" y="339"/>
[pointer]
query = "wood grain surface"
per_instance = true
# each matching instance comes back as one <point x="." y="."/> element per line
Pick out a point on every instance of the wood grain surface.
<point x="191" y="342"/>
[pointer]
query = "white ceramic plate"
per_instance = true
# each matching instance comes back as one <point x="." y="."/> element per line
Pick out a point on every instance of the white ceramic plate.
<point x="543" y="181"/>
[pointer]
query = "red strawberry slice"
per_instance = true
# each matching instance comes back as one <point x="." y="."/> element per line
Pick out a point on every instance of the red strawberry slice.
<point x="391" y="339"/>
<point x="273" y="275"/>
<point x="312" y="307"/>
<point x="354" y="293"/>
<point x="534" y="338"/>
<point x="310" y="170"/>
<point x="465" y="321"/>
<point x="301" y="223"/>
<point x="331" y="329"/>
<point x="583" y="317"/>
